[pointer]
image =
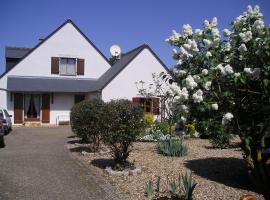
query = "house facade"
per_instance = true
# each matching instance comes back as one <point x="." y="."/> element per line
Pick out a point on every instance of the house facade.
<point x="42" y="84"/>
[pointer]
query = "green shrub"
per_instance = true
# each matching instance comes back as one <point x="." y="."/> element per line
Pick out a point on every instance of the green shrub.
<point x="162" y="127"/>
<point x="148" y="120"/>
<point x="123" y="123"/>
<point x="174" y="148"/>
<point x="220" y="136"/>
<point x="86" y="121"/>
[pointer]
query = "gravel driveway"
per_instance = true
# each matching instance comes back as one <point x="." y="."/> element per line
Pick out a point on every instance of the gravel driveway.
<point x="36" y="165"/>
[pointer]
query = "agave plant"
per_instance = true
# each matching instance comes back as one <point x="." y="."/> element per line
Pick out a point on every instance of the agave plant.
<point x="174" y="148"/>
<point x="188" y="185"/>
<point x="149" y="191"/>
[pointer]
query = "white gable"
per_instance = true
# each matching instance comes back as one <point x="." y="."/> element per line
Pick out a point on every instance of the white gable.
<point x="141" y="68"/>
<point x="66" y="42"/>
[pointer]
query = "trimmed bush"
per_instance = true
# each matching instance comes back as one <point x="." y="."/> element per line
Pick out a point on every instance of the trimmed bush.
<point x="174" y="148"/>
<point x="123" y="123"/>
<point x="86" y="120"/>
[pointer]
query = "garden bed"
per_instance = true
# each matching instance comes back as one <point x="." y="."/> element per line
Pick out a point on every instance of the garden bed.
<point x="220" y="174"/>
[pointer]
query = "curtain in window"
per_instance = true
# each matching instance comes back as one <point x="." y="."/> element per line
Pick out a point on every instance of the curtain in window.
<point x="26" y="104"/>
<point x="71" y="67"/>
<point x="63" y="66"/>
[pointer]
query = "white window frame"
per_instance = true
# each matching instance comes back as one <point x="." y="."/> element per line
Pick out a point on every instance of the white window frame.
<point x="67" y="74"/>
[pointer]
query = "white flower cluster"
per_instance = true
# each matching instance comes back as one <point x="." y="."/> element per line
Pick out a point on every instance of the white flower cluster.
<point x="226" y="32"/>
<point x="208" y="25"/>
<point x="227" y="118"/>
<point x="183" y="108"/>
<point x="214" y="106"/>
<point x="208" y="54"/>
<point x="198" y="32"/>
<point x="191" y="45"/>
<point x="254" y="73"/>
<point x="182" y="95"/>
<point x="246" y="36"/>
<point x="250" y="13"/>
<point x="237" y="74"/>
<point x="197" y="96"/>
<point x="174" y="38"/>
<point x="225" y="70"/>
<point x="190" y="82"/>
<point x="175" y="88"/>
<point x="258" y="24"/>
<point x="242" y="48"/>
<point x="227" y="46"/>
<point x="207" y="85"/>
<point x="187" y="30"/>
<point x="204" y="71"/>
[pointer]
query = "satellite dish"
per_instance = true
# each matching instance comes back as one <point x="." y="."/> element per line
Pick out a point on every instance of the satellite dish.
<point x="115" y="50"/>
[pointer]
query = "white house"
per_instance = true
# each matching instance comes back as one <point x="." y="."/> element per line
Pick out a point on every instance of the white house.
<point x="41" y="84"/>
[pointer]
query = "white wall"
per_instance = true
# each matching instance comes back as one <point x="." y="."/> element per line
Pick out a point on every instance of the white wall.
<point x="62" y="104"/>
<point x="141" y="68"/>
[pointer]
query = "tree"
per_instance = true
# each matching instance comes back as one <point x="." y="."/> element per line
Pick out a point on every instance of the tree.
<point x="223" y="82"/>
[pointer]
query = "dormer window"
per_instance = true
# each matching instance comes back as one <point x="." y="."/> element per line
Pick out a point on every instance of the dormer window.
<point x="67" y="66"/>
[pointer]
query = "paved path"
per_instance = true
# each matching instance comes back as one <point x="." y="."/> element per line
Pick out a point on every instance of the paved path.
<point x="35" y="165"/>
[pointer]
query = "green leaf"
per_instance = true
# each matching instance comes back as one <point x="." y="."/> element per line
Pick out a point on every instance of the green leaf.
<point x="265" y="82"/>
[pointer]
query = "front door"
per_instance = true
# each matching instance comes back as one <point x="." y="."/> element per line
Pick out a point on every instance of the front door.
<point x="18" y="108"/>
<point x="45" y="108"/>
<point x="31" y="107"/>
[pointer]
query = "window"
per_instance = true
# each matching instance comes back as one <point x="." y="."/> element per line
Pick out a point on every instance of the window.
<point x="149" y="105"/>
<point x="68" y="66"/>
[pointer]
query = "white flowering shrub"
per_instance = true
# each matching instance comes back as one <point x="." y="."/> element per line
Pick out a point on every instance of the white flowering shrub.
<point x="223" y="83"/>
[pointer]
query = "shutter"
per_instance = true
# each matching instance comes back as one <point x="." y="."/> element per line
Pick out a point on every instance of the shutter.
<point x="155" y="106"/>
<point x="45" y="108"/>
<point x="136" y="100"/>
<point x="18" y="108"/>
<point x="80" y="66"/>
<point x="54" y="65"/>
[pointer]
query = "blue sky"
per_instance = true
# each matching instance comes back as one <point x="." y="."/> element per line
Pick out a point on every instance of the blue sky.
<point x="122" y="22"/>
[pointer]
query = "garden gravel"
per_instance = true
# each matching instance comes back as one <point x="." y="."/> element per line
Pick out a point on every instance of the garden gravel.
<point x="220" y="173"/>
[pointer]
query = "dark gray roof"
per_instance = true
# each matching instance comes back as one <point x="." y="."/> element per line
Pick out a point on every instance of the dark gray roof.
<point x="16" y="52"/>
<point x="44" y="84"/>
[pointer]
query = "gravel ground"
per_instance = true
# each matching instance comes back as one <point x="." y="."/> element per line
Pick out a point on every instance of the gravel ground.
<point x="220" y="174"/>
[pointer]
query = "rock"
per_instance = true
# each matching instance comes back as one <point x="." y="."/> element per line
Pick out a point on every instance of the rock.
<point x="134" y="172"/>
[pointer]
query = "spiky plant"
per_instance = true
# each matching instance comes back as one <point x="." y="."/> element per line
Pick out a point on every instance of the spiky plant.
<point x="174" y="148"/>
<point x="149" y="191"/>
<point x="188" y="186"/>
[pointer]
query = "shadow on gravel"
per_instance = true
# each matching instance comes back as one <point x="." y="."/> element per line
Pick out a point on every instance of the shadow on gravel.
<point x="228" y="171"/>
<point x="75" y="141"/>
<point x="102" y="163"/>
<point x="72" y="136"/>
<point x="79" y="149"/>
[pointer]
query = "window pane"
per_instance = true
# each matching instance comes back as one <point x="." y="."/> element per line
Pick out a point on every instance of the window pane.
<point x="71" y="67"/>
<point x="63" y="66"/>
